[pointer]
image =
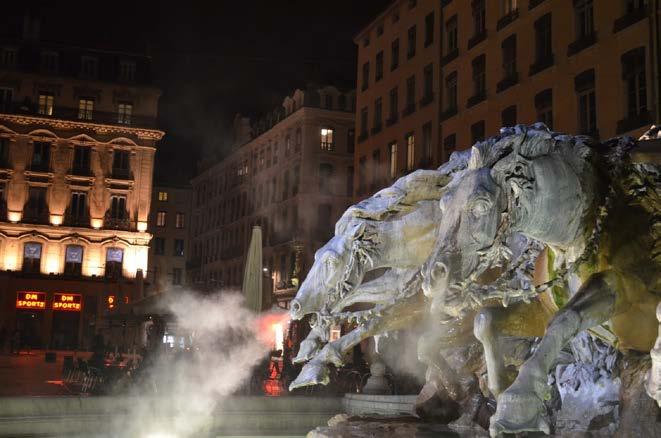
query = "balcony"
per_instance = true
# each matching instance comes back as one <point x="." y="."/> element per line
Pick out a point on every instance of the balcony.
<point x="40" y="167"/>
<point x="81" y="171"/>
<point x="448" y="113"/>
<point x="392" y="120"/>
<point x="582" y="43"/>
<point x="451" y="55"/>
<point x="120" y="173"/>
<point x="475" y="99"/>
<point x="629" y="19"/>
<point x="542" y="63"/>
<point x="507" y="19"/>
<point x="534" y="3"/>
<point x="376" y="129"/>
<point x="362" y="137"/>
<point x="477" y="39"/>
<point x="64" y="113"/>
<point x="71" y="220"/>
<point x="116" y="223"/>
<point x="408" y="110"/>
<point x="36" y="216"/>
<point x="633" y="121"/>
<point x="426" y="99"/>
<point x="510" y="80"/>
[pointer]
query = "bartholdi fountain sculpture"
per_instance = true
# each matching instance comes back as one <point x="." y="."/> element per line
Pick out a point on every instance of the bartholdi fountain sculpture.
<point x="510" y="252"/>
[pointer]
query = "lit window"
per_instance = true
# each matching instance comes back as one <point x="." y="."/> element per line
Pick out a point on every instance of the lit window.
<point x="160" y="218"/>
<point x="85" y="108"/>
<point x="46" y="104"/>
<point x="180" y="220"/>
<point x="393" y="160"/>
<point x="410" y="151"/>
<point x="124" y="111"/>
<point x="179" y="247"/>
<point x="327" y="142"/>
<point x="163" y="196"/>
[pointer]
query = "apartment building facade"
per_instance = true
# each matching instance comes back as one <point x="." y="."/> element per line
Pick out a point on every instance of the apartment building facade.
<point x="77" y="142"/>
<point x="291" y="172"/>
<point x="170" y="213"/>
<point x="397" y="103"/>
<point x="580" y="66"/>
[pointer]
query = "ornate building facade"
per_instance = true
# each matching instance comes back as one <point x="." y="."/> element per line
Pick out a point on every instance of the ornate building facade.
<point x="291" y="172"/>
<point x="435" y="76"/>
<point x="77" y="145"/>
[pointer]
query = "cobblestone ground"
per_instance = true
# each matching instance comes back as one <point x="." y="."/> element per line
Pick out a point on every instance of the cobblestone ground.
<point x="28" y="374"/>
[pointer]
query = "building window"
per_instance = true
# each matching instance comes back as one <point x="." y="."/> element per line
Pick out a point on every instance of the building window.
<point x="45" y="104"/>
<point x="479" y="76"/>
<point x="363" y="123"/>
<point x="392" y="151"/>
<point x="81" y="160"/>
<point x="8" y="57"/>
<point x="508" y="116"/>
<point x="410" y="51"/>
<point x="479" y="17"/>
<point x="49" y="62"/>
<point x="351" y="140"/>
<point x="449" y="145"/>
<point x="114" y="260"/>
<point x="296" y="177"/>
<point x="124" y="111"/>
<point x="584" y="84"/>
<point x="36" y="208"/>
<point x="161" y="217"/>
<point x="32" y="257"/>
<point x="429" y="29"/>
<point x="118" y="208"/>
<point x="163" y="196"/>
<point x="85" y="108"/>
<point x="394" y="55"/>
<point x="89" y="67"/>
<point x="509" y="56"/>
<point x="178" y="248"/>
<point x="451" y="92"/>
<point x="452" y="35"/>
<point x="543" y="41"/>
<point x="477" y="131"/>
<point x="633" y="74"/>
<point x="285" y="185"/>
<point x="366" y="75"/>
<point x="180" y="220"/>
<point x="426" y="142"/>
<point x="159" y="246"/>
<point x="298" y="143"/>
<point x="73" y="260"/>
<point x="327" y="139"/>
<point x="584" y="18"/>
<point x="120" y="164"/>
<point x="544" y="107"/>
<point x="428" y="92"/>
<point x="394" y="107"/>
<point x="410" y="151"/>
<point x="328" y="102"/>
<point x="78" y="208"/>
<point x="325" y="175"/>
<point x="376" y="169"/>
<point x="287" y="147"/>
<point x="378" y="74"/>
<point x="40" y="156"/>
<point x="362" y="175"/>
<point x="176" y="276"/>
<point x="410" y="94"/>
<point x="4" y="152"/>
<point x="126" y="71"/>
<point x="378" y="114"/>
<point x="508" y="7"/>
<point x="6" y="98"/>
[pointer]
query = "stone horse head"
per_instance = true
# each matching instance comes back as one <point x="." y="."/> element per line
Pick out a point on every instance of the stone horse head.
<point x="515" y="182"/>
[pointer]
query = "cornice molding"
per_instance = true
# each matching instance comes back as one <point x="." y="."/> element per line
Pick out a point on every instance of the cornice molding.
<point x="143" y="134"/>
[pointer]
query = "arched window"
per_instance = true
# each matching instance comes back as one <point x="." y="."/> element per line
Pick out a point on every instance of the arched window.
<point x="73" y="260"/>
<point x="31" y="257"/>
<point x="114" y="260"/>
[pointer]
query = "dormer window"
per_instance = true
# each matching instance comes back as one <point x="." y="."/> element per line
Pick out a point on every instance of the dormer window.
<point x="124" y="111"/>
<point x="89" y="67"/>
<point x="85" y="108"/>
<point x="8" y="57"/>
<point x="126" y="71"/>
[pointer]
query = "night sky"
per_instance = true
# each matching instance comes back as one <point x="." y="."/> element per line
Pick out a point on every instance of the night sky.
<point x="213" y="59"/>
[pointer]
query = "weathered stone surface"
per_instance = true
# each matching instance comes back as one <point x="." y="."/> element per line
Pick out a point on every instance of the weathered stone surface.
<point x="640" y="415"/>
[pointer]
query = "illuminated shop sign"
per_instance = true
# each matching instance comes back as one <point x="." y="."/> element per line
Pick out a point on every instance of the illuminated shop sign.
<point x="68" y="302"/>
<point x="111" y="302"/>
<point x="31" y="300"/>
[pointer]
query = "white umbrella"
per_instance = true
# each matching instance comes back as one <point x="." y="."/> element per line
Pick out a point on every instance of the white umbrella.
<point x="252" y="275"/>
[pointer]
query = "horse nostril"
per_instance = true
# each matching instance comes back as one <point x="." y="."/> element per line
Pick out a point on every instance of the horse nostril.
<point x="439" y="271"/>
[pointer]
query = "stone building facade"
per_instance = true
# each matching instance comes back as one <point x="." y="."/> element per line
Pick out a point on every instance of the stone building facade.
<point x="580" y="66"/>
<point x="291" y="172"/>
<point x="77" y="145"/>
<point x="168" y="224"/>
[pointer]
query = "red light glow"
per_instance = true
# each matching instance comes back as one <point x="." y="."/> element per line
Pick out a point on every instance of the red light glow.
<point x="271" y="328"/>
